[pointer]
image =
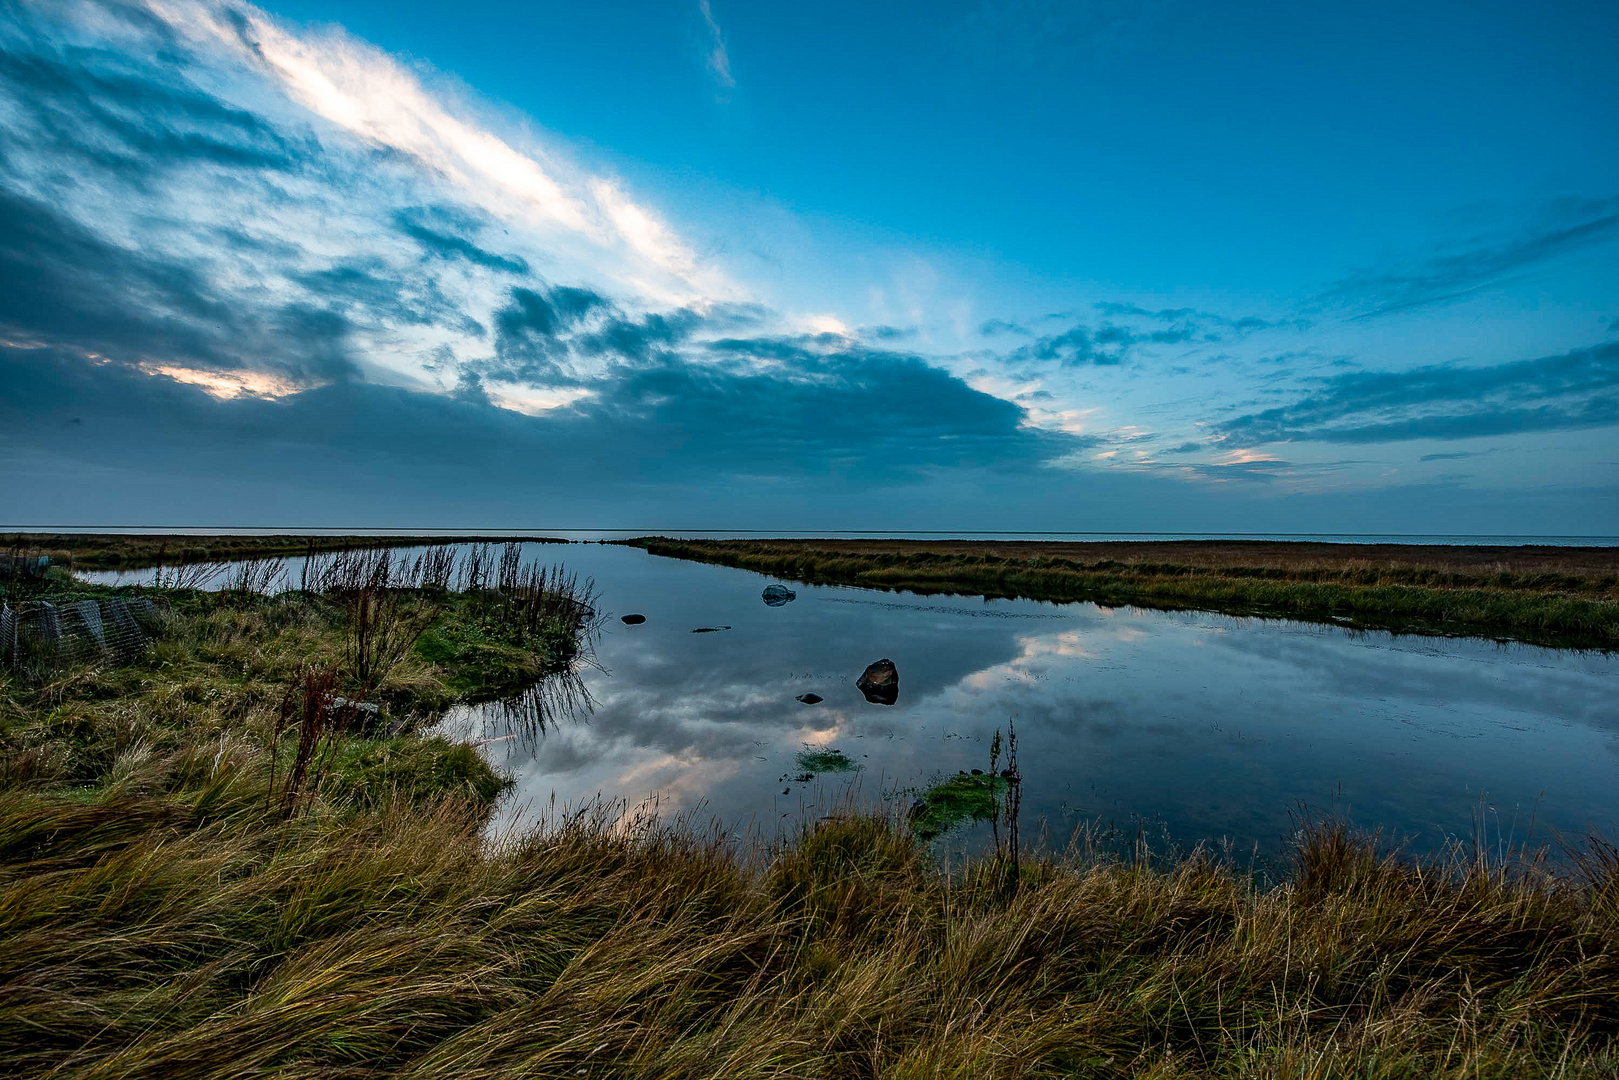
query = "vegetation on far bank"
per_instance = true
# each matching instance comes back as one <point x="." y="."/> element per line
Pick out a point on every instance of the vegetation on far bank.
<point x="134" y="551"/>
<point x="1550" y="596"/>
<point x="167" y="910"/>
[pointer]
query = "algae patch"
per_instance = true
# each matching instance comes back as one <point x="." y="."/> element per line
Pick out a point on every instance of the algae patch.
<point x="952" y="802"/>
<point x="825" y="761"/>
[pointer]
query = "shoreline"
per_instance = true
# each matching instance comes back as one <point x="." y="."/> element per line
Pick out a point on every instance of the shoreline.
<point x="1557" y="597"/>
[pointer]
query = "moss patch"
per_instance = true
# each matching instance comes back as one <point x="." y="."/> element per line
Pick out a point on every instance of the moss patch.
<point x="825" y="761"/>
<point x="960" y="799"/>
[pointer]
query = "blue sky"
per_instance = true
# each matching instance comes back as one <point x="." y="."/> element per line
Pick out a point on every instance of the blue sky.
<point x="1038" y="266"/>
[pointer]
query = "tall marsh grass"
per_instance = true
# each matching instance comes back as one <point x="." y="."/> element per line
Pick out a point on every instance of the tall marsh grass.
<point x="200" y="936"/>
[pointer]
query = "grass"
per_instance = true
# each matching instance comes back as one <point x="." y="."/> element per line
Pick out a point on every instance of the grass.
<point x="161" y="917"/>
<point x="190" y="935"/>
<point x="1558" y="597"/>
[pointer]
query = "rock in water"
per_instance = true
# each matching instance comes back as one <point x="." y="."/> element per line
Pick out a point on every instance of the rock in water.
<point x="777" y="595"/>
<point x="632" y="620"/>
<point x="810" y="699"/>
<point x="880" y="683"/>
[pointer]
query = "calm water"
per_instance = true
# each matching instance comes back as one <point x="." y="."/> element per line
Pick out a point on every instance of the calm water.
<point x="1195" y="726"/>
<point x="1200" y="726"/>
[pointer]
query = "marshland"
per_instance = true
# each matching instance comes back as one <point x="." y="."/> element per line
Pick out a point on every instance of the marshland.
<point x="423" y="810"/>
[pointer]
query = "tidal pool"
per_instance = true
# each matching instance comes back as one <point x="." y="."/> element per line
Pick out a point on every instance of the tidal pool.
<point x="1189" y="726"/>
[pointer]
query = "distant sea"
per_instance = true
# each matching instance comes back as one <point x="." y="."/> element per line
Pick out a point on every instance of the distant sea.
<point x="856" y="534"/>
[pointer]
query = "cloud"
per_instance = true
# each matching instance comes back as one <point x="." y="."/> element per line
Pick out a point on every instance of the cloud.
<point x="1205" y="323"/>
<point x="67" y="286"/>
<point x="91" y="104"/>
<point x="1577" y="389"/>
<point x="1457" y="456"/>
<point x="1116" y="342"/>
<point x="315" y="214"/>
<point x="715" y="56"/>
<point x="874" y="419"/>
<point x="1460" y="268"/>
<point x="442" y="238"/>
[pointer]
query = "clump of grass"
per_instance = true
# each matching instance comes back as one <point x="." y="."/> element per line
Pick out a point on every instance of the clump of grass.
<point x="825" y="760"/>
<point x="374" y="773"/>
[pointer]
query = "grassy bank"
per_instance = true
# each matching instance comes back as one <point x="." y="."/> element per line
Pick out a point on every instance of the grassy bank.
<point x="185" y="932"/>
<point x="133" y="551"/>
<point x="1550" y="596"/>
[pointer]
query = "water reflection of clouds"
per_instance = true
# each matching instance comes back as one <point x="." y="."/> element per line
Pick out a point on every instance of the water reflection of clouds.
<point x="1209" y="724"/>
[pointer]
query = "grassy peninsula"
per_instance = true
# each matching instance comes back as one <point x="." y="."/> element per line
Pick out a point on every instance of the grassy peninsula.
<point x="1545" y="595"/>
<point x="174" y="904"/>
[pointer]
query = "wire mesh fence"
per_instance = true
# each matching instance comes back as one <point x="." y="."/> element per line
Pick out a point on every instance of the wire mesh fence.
<point x="39" y="636"/>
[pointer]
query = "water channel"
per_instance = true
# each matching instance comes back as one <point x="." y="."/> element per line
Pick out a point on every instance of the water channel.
<point x="1187" y="726"/>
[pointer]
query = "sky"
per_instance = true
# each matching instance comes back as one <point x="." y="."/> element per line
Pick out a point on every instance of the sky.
<point x="699" y="264"/>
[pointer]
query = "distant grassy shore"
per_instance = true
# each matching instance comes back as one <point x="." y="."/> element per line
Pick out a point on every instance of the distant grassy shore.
<point x="133" y="551"/>
<point x="1545" y="595"/>
<point x="178" y="900"/>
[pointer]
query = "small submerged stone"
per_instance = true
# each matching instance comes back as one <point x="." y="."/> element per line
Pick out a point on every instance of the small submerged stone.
<point x="632" y="620"/>
<point x="810" y="699"/>
<point x="777" y="595"/>
<point x="710" y="629"/>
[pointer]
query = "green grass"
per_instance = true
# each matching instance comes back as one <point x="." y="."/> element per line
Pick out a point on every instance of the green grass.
<point x="1544" y="608"/>
<point x="418" y="771"/>
<point x="480" y="663"/>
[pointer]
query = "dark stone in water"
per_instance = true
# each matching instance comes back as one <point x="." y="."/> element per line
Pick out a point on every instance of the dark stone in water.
<point x="880" y="683"/>
<point x="632" y="620"/>
<point x="810" y="699"/>
<point x="777" y="595"/>
<point x="710" y="629"/>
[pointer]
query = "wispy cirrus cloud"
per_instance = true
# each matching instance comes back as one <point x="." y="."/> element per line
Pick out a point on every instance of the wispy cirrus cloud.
<point x="1573" y="390"/>
<point x="1125" y="330"/>
<point x="1462" y="267"/>
<point x="716" y="58"/>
